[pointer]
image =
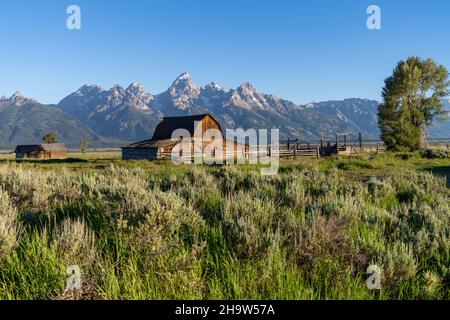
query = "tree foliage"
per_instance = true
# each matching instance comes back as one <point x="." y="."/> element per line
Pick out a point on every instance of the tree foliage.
<point x="412" y="99"/>
<point x="50" y="138"/>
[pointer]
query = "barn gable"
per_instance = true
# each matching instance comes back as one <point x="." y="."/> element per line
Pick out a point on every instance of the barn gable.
<point x="161" y="144"/>
<point x="165" y="129"/>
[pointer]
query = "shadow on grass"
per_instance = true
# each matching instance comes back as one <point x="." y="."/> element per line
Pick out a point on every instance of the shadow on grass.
<point x="442" y="171"/>
<point x="50" y="161"/>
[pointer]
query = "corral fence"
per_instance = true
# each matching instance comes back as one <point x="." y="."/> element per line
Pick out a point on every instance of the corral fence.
<point x="291" y="148"/>
<point x="283" y="150"/>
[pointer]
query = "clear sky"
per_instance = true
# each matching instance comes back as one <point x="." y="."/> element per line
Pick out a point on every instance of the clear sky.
<point x="301" y="50"/>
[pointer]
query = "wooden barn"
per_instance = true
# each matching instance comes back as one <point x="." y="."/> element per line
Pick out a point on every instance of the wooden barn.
<point x="41" y="151"/>
<point x="161" y="145"/>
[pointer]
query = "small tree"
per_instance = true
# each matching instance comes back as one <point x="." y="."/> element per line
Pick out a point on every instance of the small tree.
<point x="50" y="138"/>
<point x="84" y="145"/>
<point x="412" y="99"/>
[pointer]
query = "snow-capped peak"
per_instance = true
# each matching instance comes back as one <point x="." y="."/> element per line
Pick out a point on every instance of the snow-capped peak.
<point x="183" y="80"/>
<point x="182" y="91"/>
<point x="18" y="99"/>
<point x="213" y="88"/>
<point x="246" y="89"/>
<point x="138" y="97"/>
<point x="183" y="85"/>
<point x="135" y="85"/>
<point x="89" y="89"/>
<point x="184" y="76"/>
<point x="116" y="90"/>
<point x="17" y="94"/>
<point x="136" y="89"/>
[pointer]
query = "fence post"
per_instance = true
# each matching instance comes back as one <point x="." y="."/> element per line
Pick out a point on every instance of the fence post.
<point x="360" y="142"/>
<point x="318" y="152"/>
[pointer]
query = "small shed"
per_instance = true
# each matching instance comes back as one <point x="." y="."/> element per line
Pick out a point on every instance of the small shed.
<point x="41" y="151"/>
<point x="161" y="144"/>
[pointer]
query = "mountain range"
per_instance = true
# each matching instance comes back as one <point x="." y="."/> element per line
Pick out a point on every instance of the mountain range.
<point x="119" y="115"/>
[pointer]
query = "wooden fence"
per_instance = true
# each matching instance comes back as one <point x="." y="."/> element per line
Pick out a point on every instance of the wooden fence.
<point x="302" y="152"/>
<point x="286" y="149"/>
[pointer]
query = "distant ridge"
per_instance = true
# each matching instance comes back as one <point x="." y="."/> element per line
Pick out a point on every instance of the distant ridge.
<point x="132" y="114"/>
<point x="25" y="121"/>
<point x="111" y="117"/>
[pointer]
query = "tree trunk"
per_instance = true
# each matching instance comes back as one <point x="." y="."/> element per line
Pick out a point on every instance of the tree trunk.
<point x="424" y="142"/>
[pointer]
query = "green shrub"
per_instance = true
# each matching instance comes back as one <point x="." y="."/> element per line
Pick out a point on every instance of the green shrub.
<point x="435" y="154"/>
<point x="354" y="164"/>
<point x="152" y="231"/>
<point x="397" y="264"/>
<point x="32" y="271"/>
<point x="9" y="226"/>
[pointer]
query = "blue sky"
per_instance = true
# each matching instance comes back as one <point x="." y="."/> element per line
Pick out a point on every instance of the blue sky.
<point x="310" y="50"/>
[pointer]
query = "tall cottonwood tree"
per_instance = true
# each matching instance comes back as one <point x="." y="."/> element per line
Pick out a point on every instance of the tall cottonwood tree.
<point x="412" y="99"/>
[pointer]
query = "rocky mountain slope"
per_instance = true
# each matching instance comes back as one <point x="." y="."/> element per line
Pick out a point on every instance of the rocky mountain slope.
<point x="122" y="114"/>
<point x="133" y="113"/>
<point x="25" y="121"/>
<point x="119" y="115"/>
<point x="440" y="129"/>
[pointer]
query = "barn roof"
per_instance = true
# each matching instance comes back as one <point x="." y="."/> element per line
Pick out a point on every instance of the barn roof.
<point x="150" y="144"/>
<point x="155" y="144"/>
<point x="165" y="129"/>
<point x="40" y="147"/>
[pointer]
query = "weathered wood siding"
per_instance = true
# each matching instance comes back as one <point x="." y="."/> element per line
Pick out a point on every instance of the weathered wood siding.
<point x="42" y="155"/>
<point x="56" y="154"/>
<point x="209" y="123"/>
<point x="139" y="154"/>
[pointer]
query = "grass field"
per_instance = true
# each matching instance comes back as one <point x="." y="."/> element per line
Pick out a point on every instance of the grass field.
<point x="152" y="230"/>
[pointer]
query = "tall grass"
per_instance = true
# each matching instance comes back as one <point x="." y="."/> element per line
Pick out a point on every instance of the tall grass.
<point x="223" y="233"/>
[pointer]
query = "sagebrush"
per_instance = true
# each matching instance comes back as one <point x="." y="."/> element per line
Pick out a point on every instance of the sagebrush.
<point x="222" y="233"/>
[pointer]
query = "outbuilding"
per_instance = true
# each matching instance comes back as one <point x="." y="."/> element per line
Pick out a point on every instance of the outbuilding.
<point x="41" y="151"/>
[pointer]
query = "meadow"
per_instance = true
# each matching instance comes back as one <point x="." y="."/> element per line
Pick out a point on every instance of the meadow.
<point x="152" y="230"/>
